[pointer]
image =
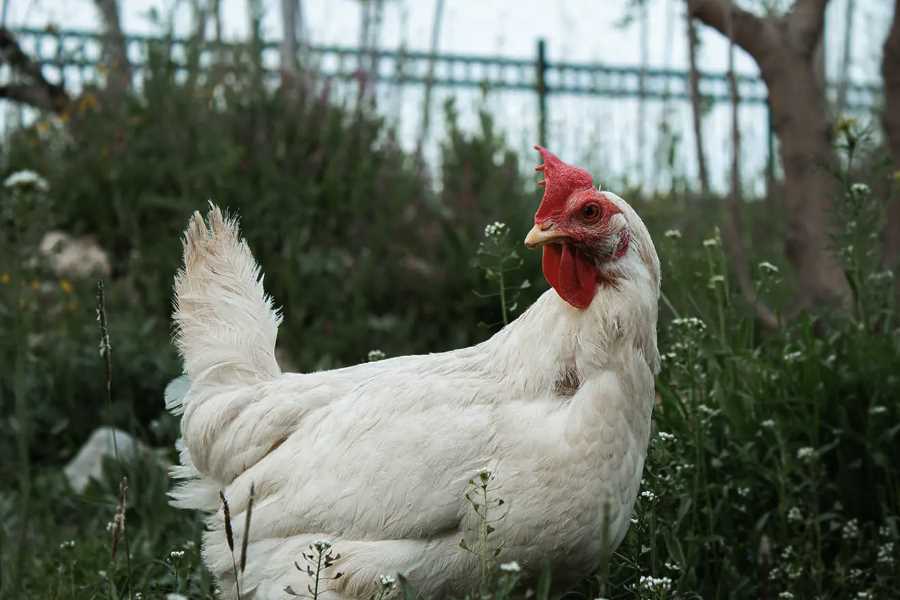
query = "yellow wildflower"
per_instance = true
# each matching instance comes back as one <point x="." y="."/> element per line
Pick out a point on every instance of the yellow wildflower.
<point x="845" y="125"/>
<point x="5" y="278"/>
<point x="66" y="286"/>
<point x="35" y="284"/>
<point x="88" y="102"/>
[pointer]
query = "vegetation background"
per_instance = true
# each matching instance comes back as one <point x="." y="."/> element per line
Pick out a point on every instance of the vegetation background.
<point x="773" y="468"/>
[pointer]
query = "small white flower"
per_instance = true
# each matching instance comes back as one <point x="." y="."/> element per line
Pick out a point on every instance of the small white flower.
<point x="67" y="545"/>
<point x="176" y="597"/>
<point x="376" y="355"/>
<point x="648" y="495"/>
<point x="26" y="180"/>
<point x="710" y="243"/>
<point x="785" y="595"/>
<point x="743" y="492"/>
<point x="850" y="531"/>
<point x="176" y="554"/>
<point x="511" y="567"/>
<point x="102" y="574"/>
<point x="878" y="410"/>
<point x="860" y="189"/>
<point x="792" y="357"/>
<point x="672" y="566"/>
<point x="806" y="454"/>
<point x="673" y="234"/>
<point x="689" y="324"/>
<point x="666" y="437"/>
<point x="794" y="515"/>
<point x="881" y="276"/>
<point x="864" y="595"/>
<point x="886" y="553"/>
<point x="767" y="267"/>
<point x="387" y="581"/>
<point x="768" y="424"/>
<point x="716" y="280"/>
<point x="655" y="584"/>
<point x="495" y="229"/>
<point x="321" y="545"/>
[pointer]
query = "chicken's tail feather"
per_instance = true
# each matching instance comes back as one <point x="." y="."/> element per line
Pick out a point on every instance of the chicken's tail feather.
<point x="225" y="323"/>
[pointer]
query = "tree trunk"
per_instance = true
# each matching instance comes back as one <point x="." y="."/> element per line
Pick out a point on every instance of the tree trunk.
<point x="784" y="48"/>
<point x="844" y="78"/>
<point x="200" y="10"/>
<point x="801" y="123"/>
<point x="696" y="107"/>
<point x="289" y="34"/>
<point x="217" y="21"/>
<point x="429" y="81"/>
<point x="644" y="35"/>
<point x="733" y="223"/>
<point x="890" y="71"/>
<point x="115" y="49"/>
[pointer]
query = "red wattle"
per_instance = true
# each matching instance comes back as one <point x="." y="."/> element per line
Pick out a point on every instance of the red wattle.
<point x="572" y="276"/>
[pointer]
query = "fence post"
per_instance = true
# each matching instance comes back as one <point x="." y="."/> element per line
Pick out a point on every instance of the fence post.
<point x="770" y="149"/>
<point x="541" y="89"/>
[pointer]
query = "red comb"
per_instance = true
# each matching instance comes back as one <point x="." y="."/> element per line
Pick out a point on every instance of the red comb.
<point x="560" y="181"/>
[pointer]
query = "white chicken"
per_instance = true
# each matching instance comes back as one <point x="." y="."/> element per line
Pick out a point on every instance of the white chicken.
<point x="375" y="458"/>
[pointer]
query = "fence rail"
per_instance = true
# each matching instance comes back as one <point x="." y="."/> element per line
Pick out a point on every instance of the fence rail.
<point x="83" y="49"/>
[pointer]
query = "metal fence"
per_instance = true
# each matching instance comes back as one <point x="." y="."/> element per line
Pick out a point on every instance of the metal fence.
<point x="82" y="49"/>
<point x="75" y="56"/>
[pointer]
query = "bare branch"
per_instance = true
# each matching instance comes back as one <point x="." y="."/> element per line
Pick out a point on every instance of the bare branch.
<point x="806" y="21"/>
<point x="750" y="31"/>
<point x="11" y="53"/>
<point x="35" y="90"/>
<point x="696" y="109"/>
<point x="31" y="95"/>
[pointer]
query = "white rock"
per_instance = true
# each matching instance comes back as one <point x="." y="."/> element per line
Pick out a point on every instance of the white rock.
<point x="88" y="463"/>
<point x="74" y="257"/>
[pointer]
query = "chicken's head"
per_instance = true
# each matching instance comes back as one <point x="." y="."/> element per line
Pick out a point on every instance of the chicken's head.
<point x="578" y="228"/>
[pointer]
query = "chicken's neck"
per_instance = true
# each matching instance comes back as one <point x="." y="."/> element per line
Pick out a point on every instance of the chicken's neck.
<point x="553" y="346"/>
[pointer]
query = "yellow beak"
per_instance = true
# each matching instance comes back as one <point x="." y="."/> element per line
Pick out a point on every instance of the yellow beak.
<point x="543" y="234"/>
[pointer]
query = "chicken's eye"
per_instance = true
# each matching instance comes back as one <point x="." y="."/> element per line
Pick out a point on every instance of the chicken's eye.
<point x="590" y="212"/>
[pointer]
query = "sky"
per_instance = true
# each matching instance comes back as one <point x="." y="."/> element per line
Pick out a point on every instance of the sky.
<point x="604" y="132"/>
